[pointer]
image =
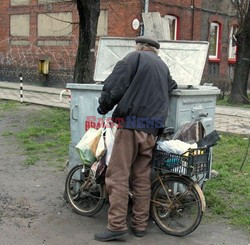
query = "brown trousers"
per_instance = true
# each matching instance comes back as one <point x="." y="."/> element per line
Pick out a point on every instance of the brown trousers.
<point x="130" y="159"/>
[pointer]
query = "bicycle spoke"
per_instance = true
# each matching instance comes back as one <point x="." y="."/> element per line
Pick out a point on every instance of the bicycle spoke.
<point x="90" y="195"/>
<point x="183" y="194"/>
<point x="188" y="203"/>
<point x="163" y="186"/>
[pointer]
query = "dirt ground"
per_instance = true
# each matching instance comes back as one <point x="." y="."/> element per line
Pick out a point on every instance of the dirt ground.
<point x="33" y="211"/>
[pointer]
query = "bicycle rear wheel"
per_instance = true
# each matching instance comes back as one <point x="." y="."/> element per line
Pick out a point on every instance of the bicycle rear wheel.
<point x="84" y="195"/>
<point x="176" y="206"/>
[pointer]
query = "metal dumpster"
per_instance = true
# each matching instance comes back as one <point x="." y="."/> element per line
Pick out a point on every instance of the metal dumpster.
<point x="188" y="103"/>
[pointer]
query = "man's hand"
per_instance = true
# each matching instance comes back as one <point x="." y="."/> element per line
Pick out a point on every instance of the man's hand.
<point x="99" y="110"/>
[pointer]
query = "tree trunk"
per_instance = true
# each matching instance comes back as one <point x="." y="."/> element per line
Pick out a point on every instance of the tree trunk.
<point x="242" y="69"/>
<point x="85" y="61"/>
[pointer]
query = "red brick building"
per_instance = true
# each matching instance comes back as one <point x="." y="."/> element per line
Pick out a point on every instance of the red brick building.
<point x="34" y="31"/>
<point x="25" y="40"/>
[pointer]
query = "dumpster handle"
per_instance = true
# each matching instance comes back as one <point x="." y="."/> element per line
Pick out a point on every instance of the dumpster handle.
<point x="73" y="114"/>
<point x="203" y="114"/>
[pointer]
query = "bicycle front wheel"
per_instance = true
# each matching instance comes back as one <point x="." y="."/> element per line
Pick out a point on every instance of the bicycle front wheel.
<point x="85" y="196"/>
<point x="176" y="206"/>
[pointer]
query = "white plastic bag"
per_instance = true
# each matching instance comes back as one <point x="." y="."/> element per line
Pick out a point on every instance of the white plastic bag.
<point x="88" y="144"/>
<point x="110" y="137"/>
<point x="175" y="146"/>
<point x="101" y="148"/>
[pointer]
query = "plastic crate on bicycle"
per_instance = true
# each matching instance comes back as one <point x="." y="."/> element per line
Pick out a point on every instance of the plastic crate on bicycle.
<point x="183" y="158"/>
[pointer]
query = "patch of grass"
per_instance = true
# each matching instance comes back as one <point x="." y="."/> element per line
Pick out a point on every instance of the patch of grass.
<point x="7" y="133"/>
<point x="47" y="136"/>
<point x="6" y="105"/>
<point x="60" y="164"/>
<point x="225" y="102"/>
<point x="228" y="194"/>
<point x="31" y="160"/>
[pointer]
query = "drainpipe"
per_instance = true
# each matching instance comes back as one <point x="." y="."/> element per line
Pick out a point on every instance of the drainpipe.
<point x="193" y="7"/>
<point x="146" y="6"/>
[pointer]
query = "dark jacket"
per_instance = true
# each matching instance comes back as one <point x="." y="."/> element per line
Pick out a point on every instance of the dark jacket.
<point x="140" y="85"/>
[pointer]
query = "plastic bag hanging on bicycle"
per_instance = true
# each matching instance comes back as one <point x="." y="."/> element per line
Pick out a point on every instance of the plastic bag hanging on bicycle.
<point x="88" y="144"/>
<point x="101" y="147"/>
<point x="110" y="138"/>
<point x="104" y="150"/>
<point x="99" y="166"/>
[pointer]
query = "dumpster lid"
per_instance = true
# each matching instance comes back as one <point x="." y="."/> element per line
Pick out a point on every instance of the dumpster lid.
<point x="185" y="59"/>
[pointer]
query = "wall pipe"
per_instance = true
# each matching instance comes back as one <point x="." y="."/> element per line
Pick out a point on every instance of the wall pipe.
<point x="193" y="13"/>
<point x="146" y="6"/>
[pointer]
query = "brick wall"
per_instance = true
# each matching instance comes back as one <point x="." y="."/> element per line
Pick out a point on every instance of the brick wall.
<point x="121" y="24"/>
<point x="25" y="58"/>
<point x="120" y="17"/>
<point x="4" y="20"/>
<point x="221" y="13"/>
<point x="193" y="25"/>
<point x="189" y="18"/>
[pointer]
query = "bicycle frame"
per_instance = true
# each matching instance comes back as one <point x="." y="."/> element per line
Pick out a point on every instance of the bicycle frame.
<point x="160" y="178"/>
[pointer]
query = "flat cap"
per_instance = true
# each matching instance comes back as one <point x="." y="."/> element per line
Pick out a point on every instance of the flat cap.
<point x="148" y="40"/>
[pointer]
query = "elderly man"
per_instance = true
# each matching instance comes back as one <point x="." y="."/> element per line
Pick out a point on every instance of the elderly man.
<point x="139" y="85"/>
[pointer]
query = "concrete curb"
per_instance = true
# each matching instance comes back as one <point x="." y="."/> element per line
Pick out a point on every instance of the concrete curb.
<point x="33" y="94"/>
<point x="232" y="111"/>
<point x="16" y="86"/>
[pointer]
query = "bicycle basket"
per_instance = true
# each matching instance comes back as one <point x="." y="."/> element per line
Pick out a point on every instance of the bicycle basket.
<point x="192" y="162"/>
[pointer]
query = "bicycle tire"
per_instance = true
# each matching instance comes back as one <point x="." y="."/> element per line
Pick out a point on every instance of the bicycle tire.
<point x="78" y="198"/>
<point x="176" y="188"/>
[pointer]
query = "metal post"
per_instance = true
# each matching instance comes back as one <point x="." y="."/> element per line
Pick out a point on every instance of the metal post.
<point x="69" y="94"/>
<point x="21" y="87"/>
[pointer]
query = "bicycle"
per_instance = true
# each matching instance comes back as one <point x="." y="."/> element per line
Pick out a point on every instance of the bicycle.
<point x="177" y="202"/>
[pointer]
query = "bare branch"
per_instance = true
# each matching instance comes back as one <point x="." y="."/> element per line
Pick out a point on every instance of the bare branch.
<point x="242" y="7"/>
<point x="73" y="23"/>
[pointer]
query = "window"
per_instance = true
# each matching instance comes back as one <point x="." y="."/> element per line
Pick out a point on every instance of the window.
<point x="231" y="68"/>
<point x="58" y="23"/>
<point x="214" y="37"/>
<point x="214" y="69"/>
<point x="232" y="45"/>
<point x="19" y="2"/>
<point x="173" y="21"/>
<point x="20" y="25"/>
<point x="51" y="1"/>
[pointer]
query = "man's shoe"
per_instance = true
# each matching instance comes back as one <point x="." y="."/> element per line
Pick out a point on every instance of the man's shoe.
<point x="138" y="233"/>
<point x="109" y="235"/>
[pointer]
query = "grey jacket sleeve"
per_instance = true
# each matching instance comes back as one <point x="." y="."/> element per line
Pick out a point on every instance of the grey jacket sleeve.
<point x="171" y="83"/>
